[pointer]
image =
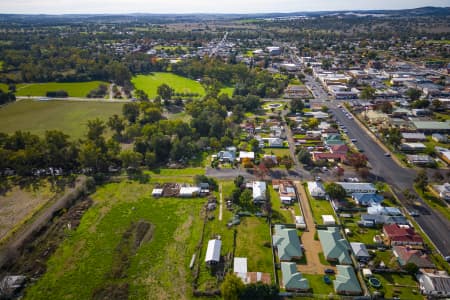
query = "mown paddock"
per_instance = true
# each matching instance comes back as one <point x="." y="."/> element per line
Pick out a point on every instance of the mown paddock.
<point x="74" y="89"/>
<point x="71" y="117"/>
<point x="150" y="83"/>
<point x="83" y="264"/>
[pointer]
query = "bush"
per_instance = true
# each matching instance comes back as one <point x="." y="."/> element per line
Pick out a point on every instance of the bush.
<point x="60" y="93"/>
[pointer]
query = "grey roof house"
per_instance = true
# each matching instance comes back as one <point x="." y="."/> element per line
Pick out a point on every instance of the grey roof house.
<point x="292" y="279"/>
<point x="335" y="247"/>
<point x="287" y="243"/>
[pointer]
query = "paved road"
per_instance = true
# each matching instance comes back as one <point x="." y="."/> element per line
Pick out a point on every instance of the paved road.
<point x="385" y="168"/>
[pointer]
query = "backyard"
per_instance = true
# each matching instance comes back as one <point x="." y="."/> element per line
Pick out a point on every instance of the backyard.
<point x="94" y="261"/>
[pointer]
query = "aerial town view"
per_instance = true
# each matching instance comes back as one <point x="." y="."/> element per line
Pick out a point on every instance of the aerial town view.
<point x="225" y="150"/>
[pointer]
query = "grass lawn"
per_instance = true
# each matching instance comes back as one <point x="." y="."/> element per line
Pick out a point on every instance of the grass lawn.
<point x="252" y="234"/>
<point x="4" y="87"/>
<point x="359" y="234"/>
<point x="279" y="214"/>
<point x="277" y="151"/>
<point x="187" y="172"/>
<point x="319" y="208"/>
<point x="149" y="83"/>
<point x="317" y="284"/>
<point x="227" y="90"/>
<point x="74" y="89"/>
<point x="85" y="260"/>
<point x="441" y="116"/>
<point x="407" y="290"/>
<point x="67" y="116"/>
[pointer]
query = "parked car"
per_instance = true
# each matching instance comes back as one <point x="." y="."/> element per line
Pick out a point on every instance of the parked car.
<point x="387" y="154"/>
<point x="326" y="279"/>
<point x="329" y="271"/>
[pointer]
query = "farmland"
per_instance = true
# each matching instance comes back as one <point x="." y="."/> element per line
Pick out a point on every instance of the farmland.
<point x="74" y="89"/>
<point x="149" y="84"/>
<point x="86" y="264"/>
<point x="39" y="116"/>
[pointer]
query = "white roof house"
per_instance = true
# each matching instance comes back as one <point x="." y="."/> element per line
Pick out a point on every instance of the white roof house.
<point x="316" y="189"/>
<point x="245" y="154"/>
<point x="213" y="251"/>
<point x="190" y="191"/>
<point x="240" y="267"/>
<point x="328" y="220"/>
<point x="358" y="187"/>
<point x="259" y="191"/>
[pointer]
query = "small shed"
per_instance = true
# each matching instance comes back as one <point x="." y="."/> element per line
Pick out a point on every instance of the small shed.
<point x="300" y="222"/>
<point x="367" y="273"/>
<point x="157" y="192"/>
<point x="328" y="220"/>
<point x="191" y="191"/>
<point x="213" y="252"/>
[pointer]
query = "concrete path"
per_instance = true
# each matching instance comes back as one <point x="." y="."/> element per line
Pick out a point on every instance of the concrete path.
<point x="220" y="203"/>
<point x="312" y="248"/>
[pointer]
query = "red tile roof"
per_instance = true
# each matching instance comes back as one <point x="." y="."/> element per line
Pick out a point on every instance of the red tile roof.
<point x="401" y="234"/>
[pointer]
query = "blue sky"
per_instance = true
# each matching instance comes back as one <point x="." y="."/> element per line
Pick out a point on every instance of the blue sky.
<point x="202" y="6"/>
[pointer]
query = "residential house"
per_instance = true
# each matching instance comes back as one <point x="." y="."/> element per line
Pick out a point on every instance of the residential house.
<point x="360" y="251"/>
<point x="440" y="138"/>
<point x="246" y="155"/>
<point x="240" y="269"/>
<point x="412" y="147"/>
<point x="357" y="187"/>
<point x="413" y="137"/>
<point x="226" y="156"/>
<point x="430" y="127"/>
<point x="333" y="139"/>
<point x="378" y="209"/>
<point x="339" y="149"/>
<point x="287" y="193"/>
<point x="436" y="284"/>
<point x="401" y="235"/>
<point x="371" y="220"/>
<point x="259" y="191"/>
<point x="420" y="160"/>
<point x="367" y="199"/>
<point x="335" y="247"/>
<point x="292" y="280"/>
<point x="346" y="282"/>
<point x="287" y="243"/>
<point x="317" y="156"/>
<point x="316" y="189"/>
<point x="406" y="255"/>
<point x="443" y="191"/>
<point x="213" y="252"/>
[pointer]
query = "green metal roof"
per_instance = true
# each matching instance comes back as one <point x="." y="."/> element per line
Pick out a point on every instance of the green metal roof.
<point x="292" y="279"/>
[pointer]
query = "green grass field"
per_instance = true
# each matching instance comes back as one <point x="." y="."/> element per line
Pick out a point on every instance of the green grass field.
<point x="85" y="260"/>
<point x="74" y="89"/>
<point x="319" y="208"/>
<point x="4" y="87"/>
<point x="279" y="213"/>
<point x="67" y="116"/>
<point x="150" y="83"/>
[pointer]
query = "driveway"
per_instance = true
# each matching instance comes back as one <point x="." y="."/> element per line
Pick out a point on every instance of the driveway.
<point x="312" y="248"/>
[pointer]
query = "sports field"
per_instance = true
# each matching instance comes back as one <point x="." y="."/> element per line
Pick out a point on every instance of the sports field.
<point x="150" y="83"/>
<point x="74" y="89"/>
<point x="68" y="116"/>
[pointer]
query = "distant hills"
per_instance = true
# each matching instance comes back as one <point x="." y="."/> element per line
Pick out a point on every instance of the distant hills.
<point x="163" y="18"/>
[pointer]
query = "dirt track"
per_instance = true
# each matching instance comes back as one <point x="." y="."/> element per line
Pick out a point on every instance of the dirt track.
<point x="11" y="248"/>
<point x="312" y="248"/>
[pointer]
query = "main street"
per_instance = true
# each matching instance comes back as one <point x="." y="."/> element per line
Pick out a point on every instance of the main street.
<point x="436" y="226"/>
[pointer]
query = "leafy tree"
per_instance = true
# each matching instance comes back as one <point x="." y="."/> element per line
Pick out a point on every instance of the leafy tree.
<point x="335" y="191"/>
<point x="304" y="157"/>
<point x="141" y="95"/>
<point x="260" y="291"/>
<point x="130" y="111"/>
<point x="96" y="128"/>
<point x="131" y="159"/>
<point x="232" y="287"/>
<point x="297" y="105"/>
<point x="421" y="180"/>
<point x="368" y="93"/>
<point x="313" y="123"/>
<point x="165" y="91"/>
<point x="420" y="103"/>
<point x="116" y="124"/>
<point x="239" y="181"/>
<point x="414" y="94"/>
<point x="357" y="160"/>
<point x="394" y="137"/>
<point x="287" y="162"/>
<point x="245" y="199"/>
<point x="386" y="107"/>
<point x="411" y="268"/>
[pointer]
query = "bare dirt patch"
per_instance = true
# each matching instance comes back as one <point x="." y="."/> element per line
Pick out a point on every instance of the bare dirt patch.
<point x="18" y="203"/>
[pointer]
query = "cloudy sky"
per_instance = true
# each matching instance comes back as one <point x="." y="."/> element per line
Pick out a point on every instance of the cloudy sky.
<point x="202" y="6"/>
